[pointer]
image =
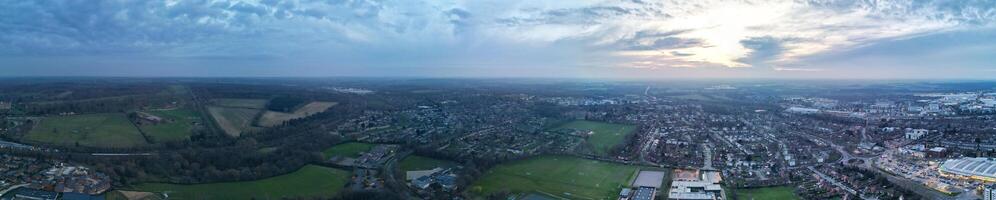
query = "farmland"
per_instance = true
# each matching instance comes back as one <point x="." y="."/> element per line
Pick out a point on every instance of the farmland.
<point x="412" y="163"/>
<point x="349" y="149"/>
<point x="783" y="192"/>
<point x="108" y="130"/>
<point x="241" y="103"/>
<point x="273" y="118"/>
<point x="177" y="126"/>
<point x="561" y="176"/>
<point x="606" y="135"/>
<point x="233" y="120"/>
<point x="309" y="181"/>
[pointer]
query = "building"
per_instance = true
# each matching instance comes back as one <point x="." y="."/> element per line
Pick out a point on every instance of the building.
<point x="693" y="185"/>
<point x="801" y="110"/>
<point x="915" y="134"/>
<point x="646" y="184"/>
<point x="989" y="192"/>
<point x="34" y="194"/>
<point x="983" y="169"/>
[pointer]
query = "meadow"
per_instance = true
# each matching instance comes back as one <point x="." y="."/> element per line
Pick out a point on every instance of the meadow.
<point x="241" y="103"/>
<point x="233" y="120"/>
<point x="308" y="182"/>
<point x="559" y="176"/>
<point x="780" y="193"/>
<point x="178" y="125"/>
<point x="349" y="149"/>
<point x="606" y="135"/>
<point x="107" y="130"/>
<point x="273" y="118"/>
<point x="413" y="163"/>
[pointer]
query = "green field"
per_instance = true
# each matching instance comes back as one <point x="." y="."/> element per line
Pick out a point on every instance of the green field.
<point x="241" y="103"/>
<point x="562" y="176"/>
<point x="349" y="149"/>
<point x="309" y="181"/>
<point x="413" y="163"/>
<point x="606" y="135"/>
<point x="108" y="130"/>
<point x="233" y="121"/>
<point x="773" y="193"/>
<point x="178" y="125"/>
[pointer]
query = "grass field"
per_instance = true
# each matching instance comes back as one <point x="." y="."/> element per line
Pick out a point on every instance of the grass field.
<point x="412" y="163"/>
<point x="349" y="149"/>
<point x="241" y="103"/>
<point x="772" y="193"/>
<point x="309" y="181"/>
<point x="178" y="125"/>
<point x="562" y="176"/>
<point x="606" y="135"/>
<point x="109" y="130"/>
<point x="271" y="118"/>
<point x="233" y="120"/>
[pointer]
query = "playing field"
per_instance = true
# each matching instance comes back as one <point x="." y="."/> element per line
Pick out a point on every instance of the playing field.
<point x="272" y="118"/>
<point x="561" y="176"/>
<point x="349" y="149"/>
<point x="233" y="120"/>
<point x="773" y="193"/>
<point x="606" y="135"/>
<point x="108" y="130"/>
<point x="177" y="125"/>
<point x="308" y="182"/>
<point x="241" y="103"/>
<point x="413" y="163"/>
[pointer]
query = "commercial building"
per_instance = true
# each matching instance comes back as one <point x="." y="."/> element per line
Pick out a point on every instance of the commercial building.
<point x="695" y="185"/>
<point x="915" y="134"/>
<point x="973" y="168"/>
<point x="989" y="192"/>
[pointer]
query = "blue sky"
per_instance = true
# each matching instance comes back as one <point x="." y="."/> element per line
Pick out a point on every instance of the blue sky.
<point x="870" y="39"/>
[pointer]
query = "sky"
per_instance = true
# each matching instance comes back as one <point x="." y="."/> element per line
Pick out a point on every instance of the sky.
<point x="641" y="39"/>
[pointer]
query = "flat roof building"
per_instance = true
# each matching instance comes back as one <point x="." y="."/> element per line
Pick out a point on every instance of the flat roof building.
<point x="975" y="168"/>
<point x="695" y="185"/>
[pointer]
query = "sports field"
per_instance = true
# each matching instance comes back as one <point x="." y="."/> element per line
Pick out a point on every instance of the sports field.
<point x="773" y="193"/>
<point x="108" y="130"/>
<point x="349" y="149"/>
<point x="177" y="125"/>
<point x="561" y="176"/>
<point x="310" y="181"/>
<point x="241" y="103"/>
<point x="606" y="135"/>
<point x="413" y="162"/>
<point x="273" y="118"/>
<point x="233" y="120"/>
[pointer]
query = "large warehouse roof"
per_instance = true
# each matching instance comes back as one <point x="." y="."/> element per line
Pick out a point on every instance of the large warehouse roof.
<point x="980" y="167"/>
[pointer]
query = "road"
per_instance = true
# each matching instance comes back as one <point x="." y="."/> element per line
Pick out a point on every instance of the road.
<point x="707" y="164"/>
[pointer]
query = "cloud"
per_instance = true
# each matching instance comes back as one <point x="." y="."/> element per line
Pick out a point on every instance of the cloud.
<point x="581" y="35"/>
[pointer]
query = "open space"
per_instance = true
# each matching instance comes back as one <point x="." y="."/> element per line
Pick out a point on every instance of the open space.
<point x="774" y="193"/>
<point x="413" y="162"/>
<point x="108" y="130"/>
<point x="606" y="135"/>
<point x="273" y="118"/>
<point x="349" y="149"/>
<point x="177" y="125"/>
<point x="233" y="120"/>
<point x="561" y="176"/>
<point x="241" y="103"/>
<point x="309" y="181"/>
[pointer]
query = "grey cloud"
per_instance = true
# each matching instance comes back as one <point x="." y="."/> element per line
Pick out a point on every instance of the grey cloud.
<point x="763" y="50"/>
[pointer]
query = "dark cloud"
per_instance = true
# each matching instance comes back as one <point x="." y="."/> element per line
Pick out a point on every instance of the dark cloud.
<point x="763" y="49"/>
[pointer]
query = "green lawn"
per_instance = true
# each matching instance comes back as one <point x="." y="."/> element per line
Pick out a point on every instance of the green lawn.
<point x="310" y="181"/>
<point x="606" y="135"/>
<point x="772" y="193"/>
<point x="349" y="149"/>
<point x="563" y="176"/>
<point x="413" y="163"/>
<point x="178" y="125"/>
<point x="108" y="130"/>
<point x="241" y="103"/>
